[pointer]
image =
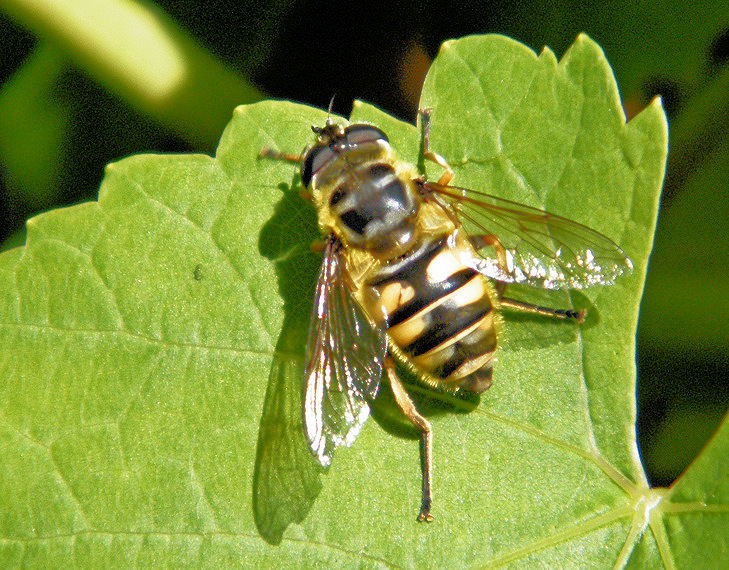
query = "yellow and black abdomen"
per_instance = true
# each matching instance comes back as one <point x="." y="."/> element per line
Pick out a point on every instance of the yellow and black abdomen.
<point x="441" y="315"/>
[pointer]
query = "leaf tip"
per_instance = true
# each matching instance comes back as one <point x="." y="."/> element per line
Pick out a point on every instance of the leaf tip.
<point x="653" y="111"/>
<point x="446" y="45"/>
<point x="655" y="107"/>
<point x="548" y="54"/>
<point x="585" y="42"/>
<point x="656" y="102"/>
<point x="583" y="39"/>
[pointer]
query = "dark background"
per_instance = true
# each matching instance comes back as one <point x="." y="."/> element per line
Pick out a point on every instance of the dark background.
<point x="379" y="52"/>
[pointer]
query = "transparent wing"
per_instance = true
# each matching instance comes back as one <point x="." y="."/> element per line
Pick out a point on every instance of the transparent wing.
<point x="285" y="477"/>
<point x="345" y="357"/>
<point x="531" y="246"/>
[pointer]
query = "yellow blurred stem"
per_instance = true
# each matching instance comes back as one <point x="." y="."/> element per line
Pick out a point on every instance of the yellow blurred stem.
<point x="142" y="55"/>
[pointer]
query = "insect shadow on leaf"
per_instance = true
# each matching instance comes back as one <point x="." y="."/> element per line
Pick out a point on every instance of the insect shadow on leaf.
<point x="286" y="474"/>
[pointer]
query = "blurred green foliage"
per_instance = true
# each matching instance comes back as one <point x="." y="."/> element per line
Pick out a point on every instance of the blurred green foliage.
<point x="63" y="116"/>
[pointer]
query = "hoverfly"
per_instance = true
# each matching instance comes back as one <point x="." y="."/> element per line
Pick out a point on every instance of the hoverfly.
<point x="402" y="280"/>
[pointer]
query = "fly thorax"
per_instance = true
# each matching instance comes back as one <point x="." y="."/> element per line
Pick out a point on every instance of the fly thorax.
<point x="375" y="209"/>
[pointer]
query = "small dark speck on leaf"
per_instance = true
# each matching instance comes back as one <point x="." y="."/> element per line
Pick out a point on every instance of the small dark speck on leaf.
<point x="198" y="272"/>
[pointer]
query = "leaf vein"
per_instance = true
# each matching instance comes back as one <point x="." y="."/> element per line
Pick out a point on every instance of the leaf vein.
<point x="591" y="455"/>
<point x="145" y="338"/>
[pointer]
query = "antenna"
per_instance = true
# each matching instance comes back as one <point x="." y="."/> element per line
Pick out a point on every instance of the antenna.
<point x="329" y="110"/>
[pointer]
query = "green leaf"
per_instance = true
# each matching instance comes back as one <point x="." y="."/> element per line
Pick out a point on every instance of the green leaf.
<point x="152" y="349"/>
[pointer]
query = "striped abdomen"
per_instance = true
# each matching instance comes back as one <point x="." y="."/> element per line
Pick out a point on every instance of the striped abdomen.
<point x="440" y="315"/>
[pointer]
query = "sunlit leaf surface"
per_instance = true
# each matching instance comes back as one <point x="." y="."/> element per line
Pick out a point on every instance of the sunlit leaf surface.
<point x="152" y="344"/>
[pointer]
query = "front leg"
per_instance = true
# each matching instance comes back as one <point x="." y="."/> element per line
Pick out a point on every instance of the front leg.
<point x="448" y="174"/>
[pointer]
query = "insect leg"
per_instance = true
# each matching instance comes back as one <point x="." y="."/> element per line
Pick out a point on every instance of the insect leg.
<point x="408" y="408"/>
<point x="276" y="155"/>
<point x="267" y="152"/>
<point x="447" y="176"/>
<point x="484" y="240"/>
<point x="318" y="245"/>
<point x="578" y="316"/>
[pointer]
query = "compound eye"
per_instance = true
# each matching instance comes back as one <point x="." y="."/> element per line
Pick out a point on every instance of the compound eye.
<point x="361" y="133"/>
<point x="314" y="160"/>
